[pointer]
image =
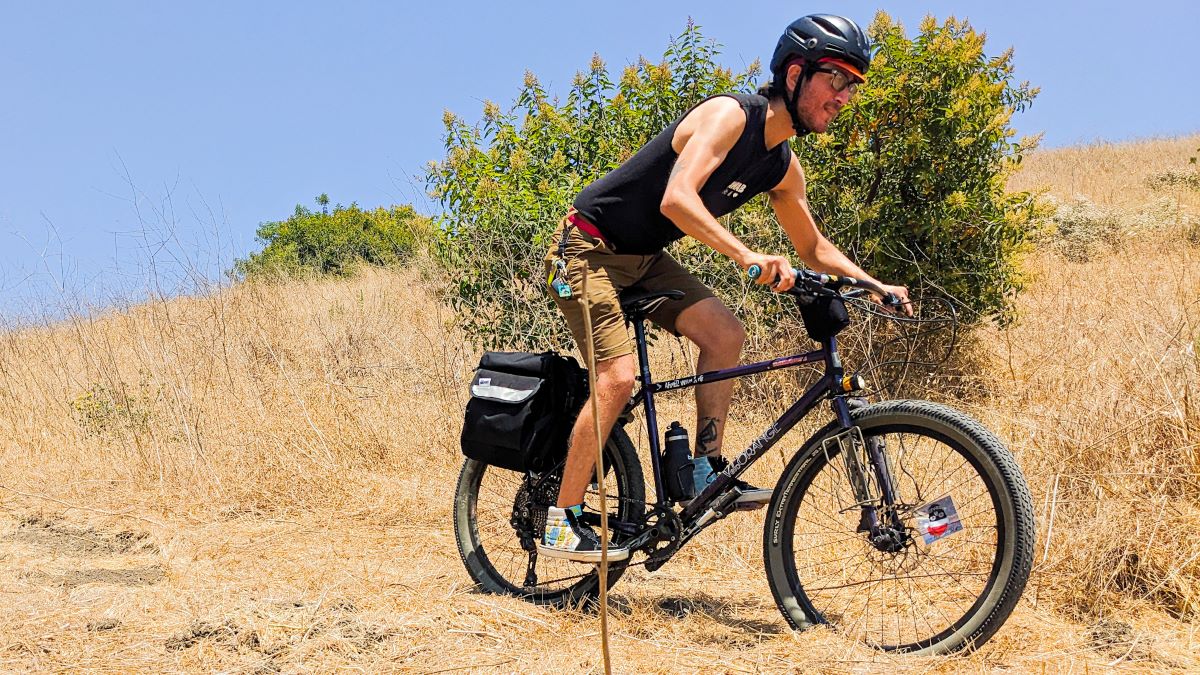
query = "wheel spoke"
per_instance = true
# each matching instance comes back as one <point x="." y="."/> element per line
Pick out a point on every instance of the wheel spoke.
<point x="490" y="540"/>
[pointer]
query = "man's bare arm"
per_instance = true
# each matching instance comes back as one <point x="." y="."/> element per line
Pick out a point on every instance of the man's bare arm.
<point x="703" y="140"/>
<point x="790" y="201"/>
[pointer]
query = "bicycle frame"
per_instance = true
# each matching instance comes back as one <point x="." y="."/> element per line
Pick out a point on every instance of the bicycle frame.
<point x="701" y="510"/>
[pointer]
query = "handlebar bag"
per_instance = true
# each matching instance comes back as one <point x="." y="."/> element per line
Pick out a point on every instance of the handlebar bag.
<point x="522" y="408"/>
<point x="824" y="316"/>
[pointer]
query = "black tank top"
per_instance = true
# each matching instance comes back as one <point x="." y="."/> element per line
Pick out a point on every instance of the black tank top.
<point x="625" y="203"/>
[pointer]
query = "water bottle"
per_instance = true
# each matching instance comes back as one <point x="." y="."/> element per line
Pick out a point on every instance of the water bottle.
<point x="678" y="461"/>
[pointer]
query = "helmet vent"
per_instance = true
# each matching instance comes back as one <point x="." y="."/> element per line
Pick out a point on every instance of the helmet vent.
<point x="826" y="25"/>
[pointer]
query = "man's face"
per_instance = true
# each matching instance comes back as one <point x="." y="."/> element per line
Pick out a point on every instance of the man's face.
<point x="820" y="101"/>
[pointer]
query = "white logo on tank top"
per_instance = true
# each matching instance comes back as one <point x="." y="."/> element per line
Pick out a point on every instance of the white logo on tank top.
<point x="735" y="189"/>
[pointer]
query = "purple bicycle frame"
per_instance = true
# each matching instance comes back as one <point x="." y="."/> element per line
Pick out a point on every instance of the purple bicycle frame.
<point x="645" y="396"/>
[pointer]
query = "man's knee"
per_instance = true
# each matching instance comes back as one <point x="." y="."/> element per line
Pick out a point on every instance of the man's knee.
<point x="714" y="329"/>
<point x="732" y="337"/>
<point x="615" y="377"/>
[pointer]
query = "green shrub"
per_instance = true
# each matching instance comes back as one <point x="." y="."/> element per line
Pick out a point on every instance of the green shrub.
<point x="1081" y="230"/>
<point x="909" y="181"/>
<point x="114" y="410"/>
<point x="334" y="243"/>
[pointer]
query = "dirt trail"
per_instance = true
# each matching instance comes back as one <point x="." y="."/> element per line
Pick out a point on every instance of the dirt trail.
<point x="250" y="593"/>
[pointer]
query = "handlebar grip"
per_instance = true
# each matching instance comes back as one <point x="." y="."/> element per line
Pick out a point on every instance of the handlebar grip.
<point x="754" y="272"/>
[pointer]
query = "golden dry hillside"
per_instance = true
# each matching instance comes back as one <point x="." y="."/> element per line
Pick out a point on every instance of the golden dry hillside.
<point x="260" y="480"/>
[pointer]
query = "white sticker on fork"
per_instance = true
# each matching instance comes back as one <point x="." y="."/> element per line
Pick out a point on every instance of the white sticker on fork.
<point x="938" y="519"/>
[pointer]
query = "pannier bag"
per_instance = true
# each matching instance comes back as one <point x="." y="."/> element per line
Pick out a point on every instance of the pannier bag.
<point x="522" y="408"/>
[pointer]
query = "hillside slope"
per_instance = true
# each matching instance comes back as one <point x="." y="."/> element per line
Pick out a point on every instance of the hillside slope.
<point x="261" y="478"/>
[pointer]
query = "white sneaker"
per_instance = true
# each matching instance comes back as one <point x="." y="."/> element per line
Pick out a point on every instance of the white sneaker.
<point x="568" y="538"/>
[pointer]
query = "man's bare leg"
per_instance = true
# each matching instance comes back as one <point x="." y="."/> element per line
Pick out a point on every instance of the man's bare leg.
<point x="720" y="336"/>
<point x="614" y="385"/>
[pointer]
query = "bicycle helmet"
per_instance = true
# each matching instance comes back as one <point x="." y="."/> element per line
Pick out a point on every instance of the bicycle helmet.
<point x="814" y="39"/>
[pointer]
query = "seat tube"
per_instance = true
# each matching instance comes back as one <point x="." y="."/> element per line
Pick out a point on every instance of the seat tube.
<point x="639" y="333"/>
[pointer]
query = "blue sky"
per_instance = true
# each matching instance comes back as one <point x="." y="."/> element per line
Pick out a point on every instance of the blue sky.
<point x="143" y="140"/>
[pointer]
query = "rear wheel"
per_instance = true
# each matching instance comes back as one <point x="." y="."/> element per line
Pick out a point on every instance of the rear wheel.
<point x="949" y="570"/>
<point x="499" y="515"/>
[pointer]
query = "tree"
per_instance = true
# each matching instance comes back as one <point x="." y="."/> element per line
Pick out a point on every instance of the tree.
<point x="909" y="181"/>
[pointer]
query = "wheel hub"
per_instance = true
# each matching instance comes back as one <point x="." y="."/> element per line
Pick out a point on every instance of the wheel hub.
<point x="889" y="539"/>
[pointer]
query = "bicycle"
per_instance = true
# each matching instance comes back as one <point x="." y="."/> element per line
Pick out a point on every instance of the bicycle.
<point x="905" y="524"/>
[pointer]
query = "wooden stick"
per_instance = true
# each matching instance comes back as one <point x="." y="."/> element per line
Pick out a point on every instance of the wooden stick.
<point x="602" y="569"/>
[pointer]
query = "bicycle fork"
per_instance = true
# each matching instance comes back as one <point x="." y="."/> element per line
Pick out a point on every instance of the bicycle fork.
<point x="869" y="475"/>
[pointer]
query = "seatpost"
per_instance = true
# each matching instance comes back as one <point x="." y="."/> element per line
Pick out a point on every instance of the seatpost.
<point x="639" y="334"/>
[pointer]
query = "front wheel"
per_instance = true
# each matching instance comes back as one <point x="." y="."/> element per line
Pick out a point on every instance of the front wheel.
<point x="953" y="558"/>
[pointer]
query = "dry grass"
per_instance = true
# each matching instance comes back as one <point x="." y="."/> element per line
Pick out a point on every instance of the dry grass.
<point x="1111" y="174"/>
<point x="260" y="480"/>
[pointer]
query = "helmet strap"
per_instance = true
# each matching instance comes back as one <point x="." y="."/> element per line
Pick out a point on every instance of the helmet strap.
<point x="805" y="75"/>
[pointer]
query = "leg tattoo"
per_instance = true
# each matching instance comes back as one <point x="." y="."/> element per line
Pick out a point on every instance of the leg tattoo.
<point x="706" y="441"/>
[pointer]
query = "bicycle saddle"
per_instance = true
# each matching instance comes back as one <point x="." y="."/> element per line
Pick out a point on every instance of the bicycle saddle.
<point x="637" y="302"/>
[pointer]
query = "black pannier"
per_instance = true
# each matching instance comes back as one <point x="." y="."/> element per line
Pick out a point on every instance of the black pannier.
<point x="522" y="408"/>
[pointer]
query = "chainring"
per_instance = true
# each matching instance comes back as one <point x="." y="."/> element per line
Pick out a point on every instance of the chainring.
<point x="661" y="549"/>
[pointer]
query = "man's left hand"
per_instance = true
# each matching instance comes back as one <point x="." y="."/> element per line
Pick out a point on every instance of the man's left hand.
<point x="900" y="292"/>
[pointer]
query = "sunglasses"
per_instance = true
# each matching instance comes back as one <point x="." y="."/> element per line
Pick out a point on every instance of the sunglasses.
<point x="840" y="81"/>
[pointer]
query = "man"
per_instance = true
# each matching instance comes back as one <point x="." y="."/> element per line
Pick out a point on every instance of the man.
<point x="721" y="153"/>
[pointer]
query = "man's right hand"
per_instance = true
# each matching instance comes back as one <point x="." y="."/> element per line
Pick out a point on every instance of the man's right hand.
<point x="776" y="270"/>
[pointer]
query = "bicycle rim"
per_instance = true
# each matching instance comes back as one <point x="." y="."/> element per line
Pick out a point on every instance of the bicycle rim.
<point x="940" y="591"/>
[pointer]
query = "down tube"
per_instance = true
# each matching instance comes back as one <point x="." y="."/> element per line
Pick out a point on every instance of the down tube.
<point x="777" y="429"/>
<point x="760" y="445"/>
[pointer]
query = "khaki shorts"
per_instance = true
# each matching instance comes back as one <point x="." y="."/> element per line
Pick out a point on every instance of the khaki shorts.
<point x="610" y="273"/>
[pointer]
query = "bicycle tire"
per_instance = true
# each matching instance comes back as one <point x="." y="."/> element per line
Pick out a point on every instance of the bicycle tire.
<point x="490" y="545"/>
<point x="999" y="536"/>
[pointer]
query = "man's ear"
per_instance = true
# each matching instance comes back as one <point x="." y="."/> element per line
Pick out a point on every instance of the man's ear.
<point x="793" y="76"/>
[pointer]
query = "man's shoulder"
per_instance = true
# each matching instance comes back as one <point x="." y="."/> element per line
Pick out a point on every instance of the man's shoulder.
<point x="744" y="99"/>
<point x="727" y="108"/>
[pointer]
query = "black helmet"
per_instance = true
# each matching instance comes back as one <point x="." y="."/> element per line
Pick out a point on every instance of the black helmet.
<point x="822" y="36"/>
<point x="816" y="38"/>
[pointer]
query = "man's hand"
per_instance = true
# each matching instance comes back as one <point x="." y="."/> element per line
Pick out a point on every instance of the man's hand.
<point x="900" y="292"/>
<point x="776" y="270"/>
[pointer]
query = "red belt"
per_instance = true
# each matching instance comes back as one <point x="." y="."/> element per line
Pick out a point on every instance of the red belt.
<point x="585" y="227"/>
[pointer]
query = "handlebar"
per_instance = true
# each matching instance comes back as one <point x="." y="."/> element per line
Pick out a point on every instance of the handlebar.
<point x="811" y="283"/>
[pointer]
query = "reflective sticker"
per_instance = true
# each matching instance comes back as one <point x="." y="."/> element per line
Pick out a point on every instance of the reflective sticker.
<point x="498" y="393"/>
<point x="938" y="519"/>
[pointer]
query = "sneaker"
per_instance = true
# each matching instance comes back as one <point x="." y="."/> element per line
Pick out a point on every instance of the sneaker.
<point x="702" y="475"/>
<point x="750" y="497"/>
<point x="569" y="538"/>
